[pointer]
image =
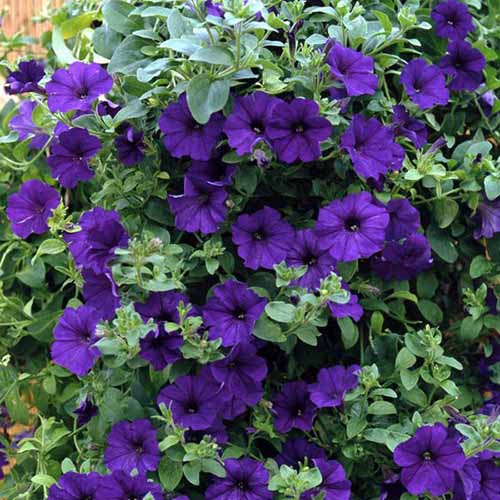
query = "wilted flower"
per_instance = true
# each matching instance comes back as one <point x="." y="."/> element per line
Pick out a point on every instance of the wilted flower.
<point x="22" y="123"/>
<point x="85" y="412"/>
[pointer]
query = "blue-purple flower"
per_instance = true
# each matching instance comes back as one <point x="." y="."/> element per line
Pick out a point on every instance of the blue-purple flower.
<point x="263" y="238"/>
<point x="353" y="227"/>
<point x="293" y="408"/>
<point x="26" y="78"/>
<point x="31" y="207"/>
<point x="334" y="486"/>
<point x="22" y="123"/>
<point x="333" y="384"/>
<point x="100" y="292"/>
<point x="404" y="219"/>
<point x="298" y="450"/>
<point x="409" y="127"/>
<point x="232" y="312"/>
<point x="76" y="88"/>
<point x="85" y="411"/>
<point x="74" y="340"/>
<point x="452" y="20"/>
<point x="184" y="136"/>
<point x="70" y="155"/>
<point x="122" y="486"/>
<point x="351" y="309"/>
<point x="75" y="486"/>
<point x="130" y="146"/>
<point x="296" y="130"/>
<point x="489" y="218"/>
<point x="132" y="445"/>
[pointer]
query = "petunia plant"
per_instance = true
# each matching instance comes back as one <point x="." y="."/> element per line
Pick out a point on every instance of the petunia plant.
<point x="250" y="249"/>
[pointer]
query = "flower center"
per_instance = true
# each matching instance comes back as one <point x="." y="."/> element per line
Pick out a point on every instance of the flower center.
<point x="82" y="93"/>
<point x="299" y="128"/>
<point x="239" y="314"/>
<point x="257" y="128"/>
<point x="310" y="260"/>
<point x="258" y="236"/>
<point x="192" y="408"/>
<point x="352" y="224"/>
<point x="138" y="447"/>
<point x="242" y="485"/>
<point x="427" y="455"/>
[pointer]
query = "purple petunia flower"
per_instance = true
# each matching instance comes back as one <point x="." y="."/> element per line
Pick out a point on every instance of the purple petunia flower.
<point x="490" y="479"/>
<point x="353" y="227"/>
<point x="202" y="206"/>
<point x="74" y="486"/>
<point x="391" y="488"/>
<point x="297" y="450"/>
<point x="70" y="155"/>
<point x="22" y="123"/>
<point x="213" y="172"/>
<point x="232" y="312"/>
<point x="263" y="238"/>
<point x="194" y="401"/>
<point x="296" y="130"/>
<point x="94" y="245"/>
<point x="248" y="122"/>
<point x="85" y="412"/>
<point x="409" y="127"/>
<point x="31" y="207"/>
<point x="333" y="384"/>
<point x="107" y="108"/>
<point x="162" y="307"/>
<point x="464" y="65"/>
<point x="77" y="87"/>
<point x="403" y="260"/>
<point x="335" y="485"/>
<point x="452" y="20"/>
<point x="404" y="219"/>
<point x="75" y="336"/>
<point x="305" y="250"/>
<point x="293" y="408"/>
<point x="425" y="84"/>
<point x="26" y="78"/>
<point x="122" y="486"/>
<point x="371" y="147"/>
<point x="132" y="445"/>
<point x="184" y="136"/>
<point x="487" y="102"/>
<point x="101" y="293"/>
<point x="246" y="479"/>
<point x="429" y="460"/>
<point x="130" y="146"/>
<point x="351" y="309"/>
<point x="467" y="481"/>
<point x="241" y="372"/>
<point x="214" y="8"/>
<point x="489" y="216"/>
<point x="353" y="69"/>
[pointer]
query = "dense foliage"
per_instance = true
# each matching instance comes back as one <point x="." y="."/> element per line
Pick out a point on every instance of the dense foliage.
<point x="251" y="250"/>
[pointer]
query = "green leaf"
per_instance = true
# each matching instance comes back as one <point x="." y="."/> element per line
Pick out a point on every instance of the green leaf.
<point x="409" y="379"/>
<point x="451" y="388"/>
<point x="43" y="480"/>
<point x="116" y="14"/>
<point x="384" y="21"/>
<point x="402" y="294"/>
<point x="355" y="426"/>
<point x="105" y="41"/>
<point x="376" y="435"/>
<point x="349" y="332"/>
<point x="128" y="58"/>
<point x="75" y="25"/>
<point x="267" y="330"/>
<point x="492" y="187"/>
<point x="308" y="334"/>
<point x="212" y="466"/>
<point x="63" y="54"/>
<point x="177" y="25"/>
<point x="51" y="246"/>
<point x="427" y="284"/>
<point x="430" y="311"/>
<point x="281" y="312"/>
<point x="205" y="97"/>
<point x="136" y="109"/>
<point x="213" y="55"/>
<point x="470" y="328"/>
<point x="170" y="473"/>
<point x="153" y="69"/>
<point x="382" y="408"/>
<point x="405" y="359"/>
<point x="445" y="211"/>
<point x="442" y="244"/>
<point x="192" y="472"/>
<point x="479" y="267"/>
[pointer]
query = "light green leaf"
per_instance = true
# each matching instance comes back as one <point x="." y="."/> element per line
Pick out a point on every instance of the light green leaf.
<point x="205" y="97"/>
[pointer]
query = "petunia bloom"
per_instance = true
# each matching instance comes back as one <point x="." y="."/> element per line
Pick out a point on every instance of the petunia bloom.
<point x="22" y="123"/>
<point x="263" y="238"/>
<point x="100" y="235"/>
<point x="100" y="292"/>
<point x="403" y="260"/>
<point x="247" y="124"/>
<point x="464" y="64"/>
<point x="371" y="147"/>
<point x="333" y="384"/>
<point x="353" y="69"/>
<point x="74" y="339"/>
<point x="132" y="445"/>
<point x="467" y="481"/>
<point x="452" y="20"/>
<point x="74" y="486"/>
<point x="85" y="412"/>
<point x="241" y="372"/>
<point x="351" y="309"/>
<point x="296" y="130"/>
<point x="490" y="479"/>
<point x="409" y="127"/>
<point x="404" y="219"/>
<point x="130" y="146"/>
<point x="214" y="171"/>
<point x="246" y="479"/>
<point x="26" y="78"/>
<point x="298" y="450"/>
<point x="77" y="87"/>
<point x="489" y="217"/>
<point x="202" y="206"/>
<point x="353" y="227"/>
<point x="334" y="486"/>
<point x="306" y="250"/>
<point x="425" y="84"/>
<point x="429" y="460"/>
<point x="31" y="207"/>
<point x="194" y="401"/>
<point x="122" y="486"/>
<point x="184" y="136"/>
<point x="70" y="155"/>
<point x="293" y="408"/>
<point x="232" y="312"/>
